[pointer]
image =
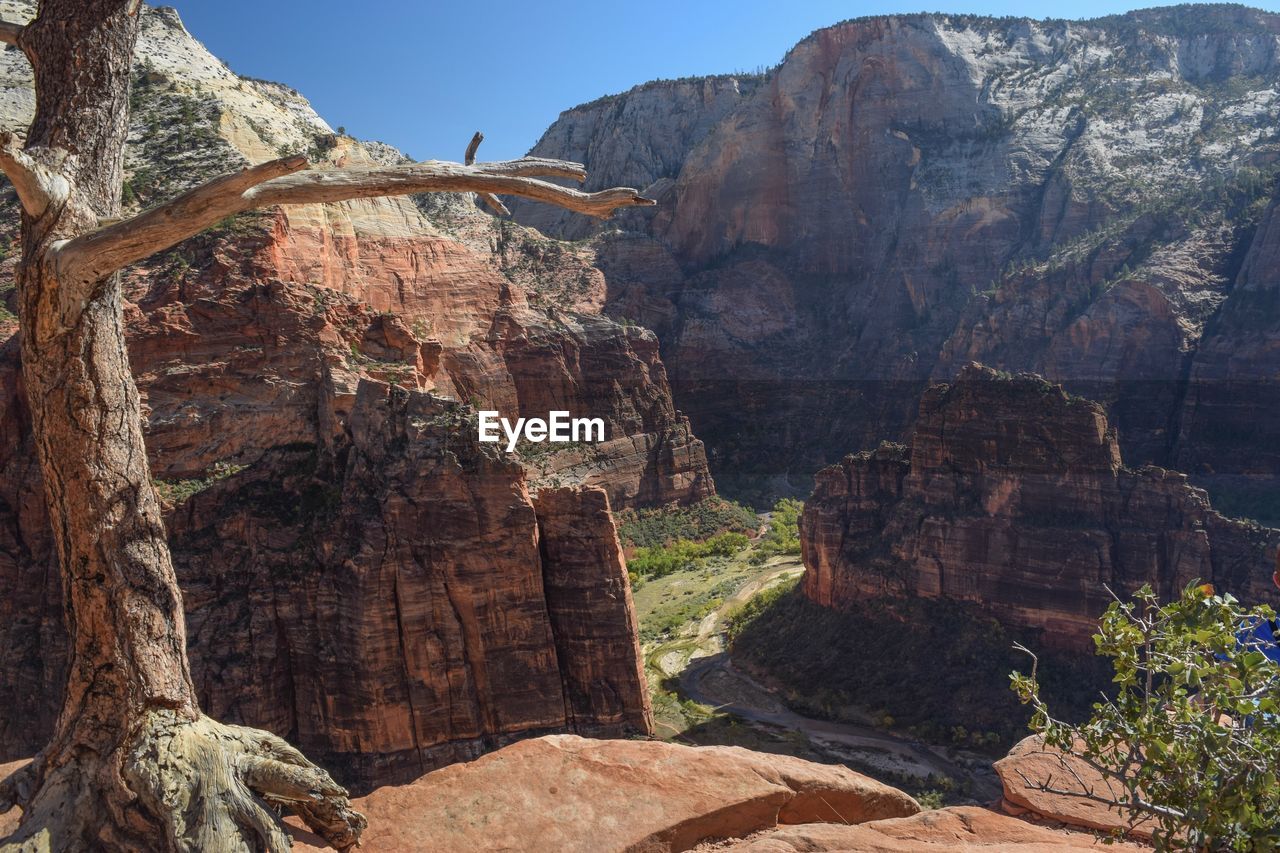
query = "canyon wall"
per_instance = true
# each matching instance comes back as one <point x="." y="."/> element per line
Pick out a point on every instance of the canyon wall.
<point x="411" y="608"/>
<point x="1012" y="493"/>
<point x="360" y="575"/>
<point x="391" y="601"/>
<point x="905" y="194"/>
<point x="452" y="300"/>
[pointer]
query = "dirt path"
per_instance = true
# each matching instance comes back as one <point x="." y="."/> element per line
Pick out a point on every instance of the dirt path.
<point x="707" y="676"/>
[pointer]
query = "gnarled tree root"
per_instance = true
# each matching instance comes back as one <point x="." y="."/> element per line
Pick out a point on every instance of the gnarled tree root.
<point x="201" y="787"/>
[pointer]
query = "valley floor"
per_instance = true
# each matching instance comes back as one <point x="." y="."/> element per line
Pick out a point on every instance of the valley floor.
<point x="701" y="697"/>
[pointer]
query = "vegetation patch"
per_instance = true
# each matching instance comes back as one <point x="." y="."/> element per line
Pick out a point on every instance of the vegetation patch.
<point x="682" y="555"/>
<point x="1190" y="741"/>
<point x="177" y="491"/>
<point x="646" y="528"/>
<point x="784" y="531"/>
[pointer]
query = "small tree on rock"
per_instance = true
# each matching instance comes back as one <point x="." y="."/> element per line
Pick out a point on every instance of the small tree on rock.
<point x="1190" y="743"/>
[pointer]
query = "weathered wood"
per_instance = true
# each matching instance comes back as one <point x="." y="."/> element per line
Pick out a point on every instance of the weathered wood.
<point x="36" y="185"/>
<point x="474" y="145"/>
<point x="490" y="200"/>
<point x="92" y="256"/>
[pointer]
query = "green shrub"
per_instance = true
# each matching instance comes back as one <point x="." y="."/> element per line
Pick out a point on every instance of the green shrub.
<point x="177" y="491"/>
<point x="657" y="561"/>
<point x="1191" y="739"/>
<point x="784" y="531"/>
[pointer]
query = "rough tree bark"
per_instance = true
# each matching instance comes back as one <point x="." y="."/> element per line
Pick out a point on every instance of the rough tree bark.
<point x="133" y="764"/>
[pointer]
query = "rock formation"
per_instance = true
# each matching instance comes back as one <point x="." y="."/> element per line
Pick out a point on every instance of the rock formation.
<point x="563" y="794"/>
<point x="450" y="299"/>
<point x="360" y="575"/>
<point x="391" y="605"/>
<point x="640" y="138"/>
<point x="949" y="830"/>
<point x="592" y="616"/>
<point x="1012" y="493"/>
<point x="905" y="194"/>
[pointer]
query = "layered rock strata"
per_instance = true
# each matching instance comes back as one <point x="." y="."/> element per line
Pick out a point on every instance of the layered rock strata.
<point x="391" y="604"/>
<point x="360" y="575"/>
<point x="1087" y="200"/>
<point x="1012" y="493"/>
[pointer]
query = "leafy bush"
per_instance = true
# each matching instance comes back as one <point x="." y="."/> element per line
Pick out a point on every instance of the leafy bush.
<point x="177" y="491"/>
<point x="1191" y="739"/>
<point x="657" y="561"/>
<point x="784" y="530"/>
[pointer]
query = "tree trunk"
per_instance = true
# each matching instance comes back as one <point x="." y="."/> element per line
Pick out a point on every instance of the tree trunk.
<point x="132" y="764"/>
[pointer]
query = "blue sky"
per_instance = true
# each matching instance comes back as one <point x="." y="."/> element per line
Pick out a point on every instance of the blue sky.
<point x="423" y="75"/>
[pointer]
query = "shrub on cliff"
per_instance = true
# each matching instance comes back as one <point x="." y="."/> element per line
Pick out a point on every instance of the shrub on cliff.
<point x="1191" y="740"/>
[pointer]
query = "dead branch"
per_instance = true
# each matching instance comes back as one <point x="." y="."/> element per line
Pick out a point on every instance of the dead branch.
<point x="91" y="257"/>
<point x="10" y="32"/>
<point x="470" y="156"/>
<point x="37" y="187"/>
<point x="1133" y="804"/>
<point x="490" y="200"/>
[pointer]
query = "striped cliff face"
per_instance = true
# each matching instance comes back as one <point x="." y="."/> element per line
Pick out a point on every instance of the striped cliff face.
<point x="905" y="194"/>
<point x="1012" y="494"/>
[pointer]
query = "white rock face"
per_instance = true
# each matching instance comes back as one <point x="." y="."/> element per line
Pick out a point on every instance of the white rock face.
<point x="640" y="139"/>
<point x="193" y="118"/>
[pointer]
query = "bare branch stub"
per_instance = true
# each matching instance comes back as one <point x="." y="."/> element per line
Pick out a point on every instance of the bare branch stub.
<point x="491" y="201"/>
<point x="10" y="32"/>
<point x="474" y="144"/>
<point x="37" y="186"/>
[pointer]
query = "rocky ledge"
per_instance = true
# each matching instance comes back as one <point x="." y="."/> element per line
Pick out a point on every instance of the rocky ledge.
<point x="570" y="795"/>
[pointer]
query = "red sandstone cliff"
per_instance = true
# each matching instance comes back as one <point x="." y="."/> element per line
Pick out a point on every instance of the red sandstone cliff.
<point x="1012" y="493"/>
<point x="360" y="574"/>
<point x="392" y="603"/>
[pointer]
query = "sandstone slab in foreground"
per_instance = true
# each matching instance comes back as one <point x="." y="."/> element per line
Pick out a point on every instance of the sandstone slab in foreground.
<point x="9" y="820"/>
<point x="565" y="793"/>
<point x="954" y="829"/>
<point x="1031" y="761"/>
